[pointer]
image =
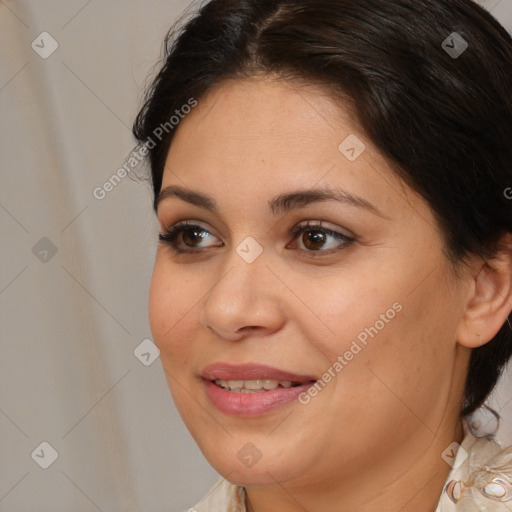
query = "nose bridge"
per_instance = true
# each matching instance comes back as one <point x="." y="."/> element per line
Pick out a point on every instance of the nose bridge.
<point x="242" y="296"/>
<point x="246" y="268"/>
<point x="241" y="281"/>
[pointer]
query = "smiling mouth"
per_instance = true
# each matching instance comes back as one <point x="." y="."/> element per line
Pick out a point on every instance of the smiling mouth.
<point x="256" y="386"/>
<point x="252" y="390"/>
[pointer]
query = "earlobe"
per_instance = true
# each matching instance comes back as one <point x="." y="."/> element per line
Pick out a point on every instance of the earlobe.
<point x="490" y="300"/>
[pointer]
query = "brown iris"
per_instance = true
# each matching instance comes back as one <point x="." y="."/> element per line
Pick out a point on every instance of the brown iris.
<point x="192" y="237"/>
<point x="313" y="239"/>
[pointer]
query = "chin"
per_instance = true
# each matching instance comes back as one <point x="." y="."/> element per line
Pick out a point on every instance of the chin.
<point x="259" y="474"/>
<point x="248" y="466"/>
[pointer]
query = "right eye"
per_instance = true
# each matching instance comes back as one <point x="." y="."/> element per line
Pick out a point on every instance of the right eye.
<point x="187" y="237"/>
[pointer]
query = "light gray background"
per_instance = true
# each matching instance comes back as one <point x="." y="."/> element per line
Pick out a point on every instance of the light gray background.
<point x="69" y="325"/>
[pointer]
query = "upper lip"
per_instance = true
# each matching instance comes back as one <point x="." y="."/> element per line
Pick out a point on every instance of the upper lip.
<point x="250" y="371"/>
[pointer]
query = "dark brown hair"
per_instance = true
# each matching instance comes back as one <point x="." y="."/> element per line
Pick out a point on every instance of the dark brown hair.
<point x="441" y="112"/>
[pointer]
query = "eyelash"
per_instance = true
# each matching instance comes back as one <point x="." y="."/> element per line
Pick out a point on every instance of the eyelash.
<point x="170" y="237"/>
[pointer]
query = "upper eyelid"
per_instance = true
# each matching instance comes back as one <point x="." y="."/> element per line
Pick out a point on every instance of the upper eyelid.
<point x="321" y="224"/>
<point x="185" y="224"/>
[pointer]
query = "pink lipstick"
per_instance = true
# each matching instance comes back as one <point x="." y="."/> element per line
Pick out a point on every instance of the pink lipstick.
<point x="250" y="390"/>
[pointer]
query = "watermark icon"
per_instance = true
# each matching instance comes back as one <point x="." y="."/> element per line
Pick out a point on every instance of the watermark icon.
<point x="44" y="45"/>
<point x="508" y="193"/>
<point x="352" y="148"/>
<point x="455" y="45"/>
<point x="449" y="455"/>
<point x="146" y="352"/>
<point x="139" y="153"/>
<point x="44" y="250"/>
<point x="249" y="455"/>
<point x="45" y="455"/>
<point x="355" y="348"/>
<point x="249" y="250"/>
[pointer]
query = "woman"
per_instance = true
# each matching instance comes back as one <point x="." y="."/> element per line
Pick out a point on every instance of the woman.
<point x="333" y="283"/>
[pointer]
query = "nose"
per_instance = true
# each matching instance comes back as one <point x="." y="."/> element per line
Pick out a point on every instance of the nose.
<point x="245" y="301"/>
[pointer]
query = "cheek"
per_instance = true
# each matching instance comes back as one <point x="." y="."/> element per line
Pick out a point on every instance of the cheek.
<point x="410" y="361"/>
<point x="344" y="309"/>
<point x="160" y="311"/>
<point x="171" y="307"/>
<point x="382" y="330"/>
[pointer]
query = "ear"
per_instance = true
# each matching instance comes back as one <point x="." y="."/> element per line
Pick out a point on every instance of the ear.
<point x="490" y="299"/>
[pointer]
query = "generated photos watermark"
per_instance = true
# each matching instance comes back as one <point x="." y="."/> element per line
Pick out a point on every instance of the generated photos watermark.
<point x="357" y="345"/>
<point x="138" y="154"/>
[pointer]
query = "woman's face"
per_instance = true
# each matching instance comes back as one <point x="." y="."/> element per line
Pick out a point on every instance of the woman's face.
<point x="307" y="260"/>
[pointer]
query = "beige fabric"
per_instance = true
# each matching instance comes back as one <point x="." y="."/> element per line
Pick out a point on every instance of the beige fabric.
<point x="478" y="463"/>
<point x="222" y="497"/>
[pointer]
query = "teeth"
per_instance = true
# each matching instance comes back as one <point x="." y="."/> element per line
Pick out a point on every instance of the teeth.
<point x="270" y="384"/>
<point x="250" y="384"/>
<point x="253" y="386"/>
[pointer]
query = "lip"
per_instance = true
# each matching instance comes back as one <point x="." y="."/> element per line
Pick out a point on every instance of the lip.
<point x="250" y="371"/>
<point x="251" y="404"/>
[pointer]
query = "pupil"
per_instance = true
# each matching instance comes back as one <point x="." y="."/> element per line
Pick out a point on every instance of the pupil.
<point x="192" y="237"/>
<point x="313" y="239"/>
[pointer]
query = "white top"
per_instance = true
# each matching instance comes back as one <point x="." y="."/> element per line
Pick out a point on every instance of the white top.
<point x="480" y="480"/>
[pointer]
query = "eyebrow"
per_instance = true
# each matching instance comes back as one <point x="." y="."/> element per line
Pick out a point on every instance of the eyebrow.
<point x="282" y="203"/>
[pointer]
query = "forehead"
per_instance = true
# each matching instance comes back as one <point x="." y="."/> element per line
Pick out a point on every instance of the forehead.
<point x="260" y="136"/>
<point x="265" y="114"/>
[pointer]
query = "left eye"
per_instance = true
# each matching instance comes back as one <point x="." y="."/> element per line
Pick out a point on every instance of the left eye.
<point x="316" y="238"/>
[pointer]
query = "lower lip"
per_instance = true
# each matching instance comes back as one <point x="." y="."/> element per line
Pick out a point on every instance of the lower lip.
<point x="252" y="404"/>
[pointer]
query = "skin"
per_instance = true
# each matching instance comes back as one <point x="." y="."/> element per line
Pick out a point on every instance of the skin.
<point x="372" y="439"/>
